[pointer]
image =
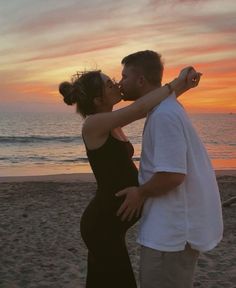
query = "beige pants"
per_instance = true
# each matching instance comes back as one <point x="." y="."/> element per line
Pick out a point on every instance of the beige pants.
<point x="167" y="269"/>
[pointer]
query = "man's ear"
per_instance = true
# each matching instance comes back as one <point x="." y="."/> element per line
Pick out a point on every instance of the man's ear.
<point x="141" y="81"/>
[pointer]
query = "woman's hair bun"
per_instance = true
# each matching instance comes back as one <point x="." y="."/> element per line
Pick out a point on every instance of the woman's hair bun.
<point x="66" y="90"/>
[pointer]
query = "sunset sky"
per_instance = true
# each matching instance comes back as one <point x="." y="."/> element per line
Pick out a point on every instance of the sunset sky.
<point x="44" y="42"/>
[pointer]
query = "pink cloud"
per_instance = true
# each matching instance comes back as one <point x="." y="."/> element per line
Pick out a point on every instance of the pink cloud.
<point x="158" y="3"/>
<point x="207" y="49"/>
<point x="219" y="67"/>
<point x="77" y="13"/>
<point x="73" y="51"/>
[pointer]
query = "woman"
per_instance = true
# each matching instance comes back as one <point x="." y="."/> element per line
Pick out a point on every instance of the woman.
<point x="110" y="156"/>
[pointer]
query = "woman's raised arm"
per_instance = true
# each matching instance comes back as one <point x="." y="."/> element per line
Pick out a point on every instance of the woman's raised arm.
<point x="103" y="123"/>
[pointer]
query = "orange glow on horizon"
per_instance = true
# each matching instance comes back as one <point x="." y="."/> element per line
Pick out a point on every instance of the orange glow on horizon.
<point x="46" y="44"/>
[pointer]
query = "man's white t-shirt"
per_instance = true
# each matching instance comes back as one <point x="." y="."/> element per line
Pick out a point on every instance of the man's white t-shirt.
<point x="192" y="212"/>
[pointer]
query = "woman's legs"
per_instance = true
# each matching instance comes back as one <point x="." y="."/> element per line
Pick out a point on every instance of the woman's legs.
<point x="108" y="259"/>
<point x="110" y="266"/>
<point x="93" y="274"/>
<point x="118" y="265"/>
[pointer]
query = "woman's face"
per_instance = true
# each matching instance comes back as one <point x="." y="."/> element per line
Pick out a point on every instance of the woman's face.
<point x="129" y="83"/>
<point x="112" y="93"/>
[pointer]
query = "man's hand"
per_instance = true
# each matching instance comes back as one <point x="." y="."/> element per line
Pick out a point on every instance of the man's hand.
<point x="132" y="204"/>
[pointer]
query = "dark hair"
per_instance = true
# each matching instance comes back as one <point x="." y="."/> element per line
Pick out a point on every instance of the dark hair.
<point x="82" y="90"/>
<point x="148" y="63"/>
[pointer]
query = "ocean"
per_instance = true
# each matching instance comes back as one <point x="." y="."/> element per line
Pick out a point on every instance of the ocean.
<point x="51" y="143"/>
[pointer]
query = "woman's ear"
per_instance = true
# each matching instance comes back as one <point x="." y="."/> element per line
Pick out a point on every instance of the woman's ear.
<point x="97" y="101"/>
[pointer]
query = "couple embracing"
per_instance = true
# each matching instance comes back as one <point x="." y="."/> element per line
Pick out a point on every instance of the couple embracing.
<point x="174" y="195"/>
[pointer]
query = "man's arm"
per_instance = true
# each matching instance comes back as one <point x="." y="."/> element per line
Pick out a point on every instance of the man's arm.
<point x="166" y="158"/>
<point x="160" y="184"/>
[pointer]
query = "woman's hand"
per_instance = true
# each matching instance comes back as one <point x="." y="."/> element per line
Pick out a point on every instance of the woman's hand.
<point x="187" y="79"/>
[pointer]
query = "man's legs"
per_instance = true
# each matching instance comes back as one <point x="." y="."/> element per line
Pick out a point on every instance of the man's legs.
<point x="167" y="269"/>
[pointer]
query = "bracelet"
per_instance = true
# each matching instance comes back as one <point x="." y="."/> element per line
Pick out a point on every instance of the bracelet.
<point x="169" y="88"/>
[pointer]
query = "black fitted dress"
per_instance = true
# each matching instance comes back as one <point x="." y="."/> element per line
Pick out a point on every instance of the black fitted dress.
<point x="102" y="231"/>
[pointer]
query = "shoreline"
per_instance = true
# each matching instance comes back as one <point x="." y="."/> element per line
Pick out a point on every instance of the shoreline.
<point x="64" y="178"/>
<point x="78" y="177"/>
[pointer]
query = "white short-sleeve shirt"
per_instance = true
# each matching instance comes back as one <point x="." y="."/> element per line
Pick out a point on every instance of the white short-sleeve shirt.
<point x="192" y="212"/>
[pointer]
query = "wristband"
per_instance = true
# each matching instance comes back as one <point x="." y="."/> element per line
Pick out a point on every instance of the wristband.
<point x="169" y="88"/>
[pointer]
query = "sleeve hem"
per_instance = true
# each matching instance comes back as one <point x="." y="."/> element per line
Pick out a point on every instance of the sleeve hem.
<point x="169" y="169"/>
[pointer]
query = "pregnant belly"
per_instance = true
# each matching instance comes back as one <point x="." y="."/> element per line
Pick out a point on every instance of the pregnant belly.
<point x="99" y="221"/>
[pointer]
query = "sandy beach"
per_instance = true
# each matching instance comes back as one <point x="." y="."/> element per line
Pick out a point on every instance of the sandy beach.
<point x="40" y="243"/>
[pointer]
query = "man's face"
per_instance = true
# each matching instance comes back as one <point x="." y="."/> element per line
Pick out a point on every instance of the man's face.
<point x="129" y="83"/>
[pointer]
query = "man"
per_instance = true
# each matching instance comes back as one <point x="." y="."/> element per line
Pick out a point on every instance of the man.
<point x="181" y="213"/>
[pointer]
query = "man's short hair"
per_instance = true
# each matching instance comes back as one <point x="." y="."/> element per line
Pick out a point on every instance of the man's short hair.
<point x="148" y="63"/>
